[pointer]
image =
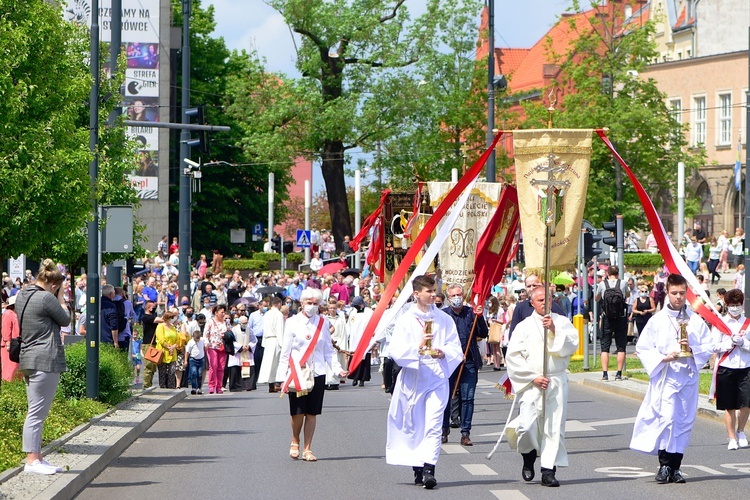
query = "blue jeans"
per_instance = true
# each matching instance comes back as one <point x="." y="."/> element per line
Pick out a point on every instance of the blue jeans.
<point x="464" y="400"/>
<point x="694" y="265"/>
<point x="195" y="373"/>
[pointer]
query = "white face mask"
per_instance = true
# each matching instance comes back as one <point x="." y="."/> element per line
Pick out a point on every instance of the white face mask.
<point x="735" y="310"/>
<point x="456" y="301"/>
<point x="310" y="310"/>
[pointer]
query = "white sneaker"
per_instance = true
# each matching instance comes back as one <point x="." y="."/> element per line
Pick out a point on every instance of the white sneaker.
<point x="741" y="440"/>
<point x="37" y="467"/>
<point x="732" y="445"/>
<point x="57" y="469"/>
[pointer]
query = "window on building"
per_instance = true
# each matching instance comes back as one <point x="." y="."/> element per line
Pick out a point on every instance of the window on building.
<point x="675" y="107"/>
<point x="699" y="121"/>
<point x="725" y="120"/>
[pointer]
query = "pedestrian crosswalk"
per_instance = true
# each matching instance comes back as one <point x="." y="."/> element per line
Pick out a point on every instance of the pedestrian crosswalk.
<point x="479" y="470"/>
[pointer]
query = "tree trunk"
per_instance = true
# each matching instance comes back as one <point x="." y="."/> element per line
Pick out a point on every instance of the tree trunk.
<point x="333" y="174"/>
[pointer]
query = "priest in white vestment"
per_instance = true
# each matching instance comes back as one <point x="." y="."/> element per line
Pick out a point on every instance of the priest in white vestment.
<point x="421" y="392"/>
<point x="273" y="332"/>
<point x="531" y="434"/>
<point x="665" y="419"/>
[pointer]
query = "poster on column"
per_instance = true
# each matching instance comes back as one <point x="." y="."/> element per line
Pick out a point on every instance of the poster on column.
<point x="140" y="43"/>
<point x="140" y="19"/>
<point x="457" y="253"/>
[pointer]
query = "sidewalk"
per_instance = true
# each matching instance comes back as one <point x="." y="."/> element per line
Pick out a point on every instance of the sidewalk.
<point x="636" y="389"/>
<point x="88" y="449"/>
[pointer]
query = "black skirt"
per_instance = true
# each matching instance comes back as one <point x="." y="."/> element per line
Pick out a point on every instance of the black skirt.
<point x="363" y="371"/>
<point x="310" y="404"/>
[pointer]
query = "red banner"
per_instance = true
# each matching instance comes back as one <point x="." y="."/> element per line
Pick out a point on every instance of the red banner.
<point x="674" y="262"/>
<point x="495" y="245"/>
<point x="414" y="250"/>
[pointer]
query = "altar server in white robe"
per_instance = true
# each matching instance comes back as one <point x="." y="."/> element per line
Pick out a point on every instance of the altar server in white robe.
<point x="273" y="331"/>
<point x="528" y="433"/>
<point x="665" y="419"/>
<point x="340" y="341"/>
<point x="421" y="392"/>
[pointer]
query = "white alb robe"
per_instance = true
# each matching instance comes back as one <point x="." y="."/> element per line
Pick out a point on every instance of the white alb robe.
<point x="273" y="331"/>
<point x="415" y="416"/>
<point x="357" y="323"/>
<point x="525" y="361"/>
<point x="665" y="418"/>
<point x="338" y="335"/>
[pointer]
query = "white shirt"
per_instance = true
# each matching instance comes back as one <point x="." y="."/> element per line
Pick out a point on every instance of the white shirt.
<point x="739" y="356"/>
<point x="195" y="349"/>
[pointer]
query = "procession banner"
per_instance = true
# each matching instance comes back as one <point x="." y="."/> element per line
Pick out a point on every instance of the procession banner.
<point x="458" y="252"/>
<point x="696" y="296"/>
<point x="561" y="157"/>
<point x="494" y="250"/>
<point x="469" y="178"/>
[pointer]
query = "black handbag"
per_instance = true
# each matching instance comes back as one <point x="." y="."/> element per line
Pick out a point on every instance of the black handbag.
<point x="14" y="350"/>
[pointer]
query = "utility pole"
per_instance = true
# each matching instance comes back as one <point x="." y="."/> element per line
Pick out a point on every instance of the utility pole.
<point x="490" y="165"/>
<point x="185" y="174"/>
<point x="92" y="263"/>
<point x="747" y="175"/>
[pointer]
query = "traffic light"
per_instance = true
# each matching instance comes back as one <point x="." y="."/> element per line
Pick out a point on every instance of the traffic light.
<point x="615" y="227"/>
<point x="202" y="141"/>
<point x="276" y="244"/>
<point x="610" y="240"/>
<point x="591" y="247"/>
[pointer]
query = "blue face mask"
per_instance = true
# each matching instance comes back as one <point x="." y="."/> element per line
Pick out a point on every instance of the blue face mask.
<point x="236" y="320"/>
<point x="265" y="309"/>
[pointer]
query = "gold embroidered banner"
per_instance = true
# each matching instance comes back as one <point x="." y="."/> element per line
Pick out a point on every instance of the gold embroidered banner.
<point x="560" y="158"/>
<point x="456" y="256"/>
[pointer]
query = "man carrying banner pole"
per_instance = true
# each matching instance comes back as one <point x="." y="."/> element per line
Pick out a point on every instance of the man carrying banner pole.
<point x="551" y="169"/>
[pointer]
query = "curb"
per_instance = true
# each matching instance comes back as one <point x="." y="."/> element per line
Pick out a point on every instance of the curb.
<point x="702" y="411"/>
<point x="93" y="465"/>
<point x="70" y="483"/>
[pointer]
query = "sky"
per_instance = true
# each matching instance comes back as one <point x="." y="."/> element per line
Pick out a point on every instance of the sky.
<point x="253" y="25"/>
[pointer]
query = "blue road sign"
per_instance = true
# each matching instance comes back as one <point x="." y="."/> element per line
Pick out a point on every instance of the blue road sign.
<point x="303" y="238"/>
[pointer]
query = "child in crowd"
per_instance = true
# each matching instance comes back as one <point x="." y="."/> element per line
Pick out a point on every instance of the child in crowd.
<point x="135" y="355"/>
<point x="194" y="353"/>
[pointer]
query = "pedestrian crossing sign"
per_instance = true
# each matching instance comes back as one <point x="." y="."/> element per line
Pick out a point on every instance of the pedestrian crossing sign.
<point x="303" y="238"/>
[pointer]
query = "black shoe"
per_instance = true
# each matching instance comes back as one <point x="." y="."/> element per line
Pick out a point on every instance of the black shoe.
<point x="605" y="377"/>
<point x="527" y="472"/>
<point x="444" y="439"/>
<point x="677" y="477"/>
<point x="418" y="478"/>
<point x="665" y="472"/>
<point x="455" y="424"/>
<point x="428" y="475"/>
<point x="548" y="478"/>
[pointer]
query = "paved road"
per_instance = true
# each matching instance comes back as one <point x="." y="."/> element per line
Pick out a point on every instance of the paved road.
<point x="235" y="446"/>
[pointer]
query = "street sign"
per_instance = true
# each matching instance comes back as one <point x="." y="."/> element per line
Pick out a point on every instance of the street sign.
<point x="237" y="236"/>
<point x="303" y="238"/>
<point x="258" y="232"/>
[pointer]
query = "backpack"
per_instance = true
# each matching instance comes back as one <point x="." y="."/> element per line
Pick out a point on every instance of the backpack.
<point x="122" y="321"/>
<point x="614" y="301"/>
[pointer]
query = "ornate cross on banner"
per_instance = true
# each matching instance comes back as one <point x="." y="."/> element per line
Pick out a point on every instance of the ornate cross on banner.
<point x="553" y="187"/>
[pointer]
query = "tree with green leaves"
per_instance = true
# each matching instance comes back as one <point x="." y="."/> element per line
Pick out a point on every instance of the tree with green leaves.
<point x="445" y="125"/>
<point x="602" y="68"/>
<point x="355" y="87"/>
<point x="44" y="135"/>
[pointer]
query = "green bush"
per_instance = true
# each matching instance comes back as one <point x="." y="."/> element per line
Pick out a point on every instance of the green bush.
<point x="643" y="259"/>
<point x="64" y="416"/>
<point x="267" y="257"/>
<point x="245" y="265"/>
<point x="295" y="257"/>
<point x="114" y="374"/>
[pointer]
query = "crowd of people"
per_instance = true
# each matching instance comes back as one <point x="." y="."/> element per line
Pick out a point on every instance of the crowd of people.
<point x="297" y="333"/>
